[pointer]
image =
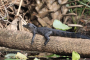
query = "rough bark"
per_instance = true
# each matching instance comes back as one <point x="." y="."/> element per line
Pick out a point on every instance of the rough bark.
<point x="64" y="46"/>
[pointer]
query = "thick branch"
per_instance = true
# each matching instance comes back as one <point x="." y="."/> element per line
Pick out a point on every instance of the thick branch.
<point x="62" y="45"/>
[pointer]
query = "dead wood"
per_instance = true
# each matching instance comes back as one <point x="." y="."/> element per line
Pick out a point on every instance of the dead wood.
<point x="64" y="46"/>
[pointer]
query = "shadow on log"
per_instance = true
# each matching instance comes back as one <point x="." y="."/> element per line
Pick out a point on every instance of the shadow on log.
<point x="62" y="45"/>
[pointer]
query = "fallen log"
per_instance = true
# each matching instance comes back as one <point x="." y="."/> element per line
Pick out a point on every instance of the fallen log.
<point x="63" y="45"/>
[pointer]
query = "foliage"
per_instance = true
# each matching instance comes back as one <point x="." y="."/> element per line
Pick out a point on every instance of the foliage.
<point x="82" y="10"/>
<point x="53" y="55"/>
<point x="36" y="59"/>
<point x="75" y="56"/>
<point x="20" y="56"/>
<point x="10" y="56"/>
<point x="17" y="56"/>
<point x="59" y="25"/>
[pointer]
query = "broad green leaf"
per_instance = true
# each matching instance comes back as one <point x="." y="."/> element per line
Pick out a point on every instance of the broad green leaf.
<point x="9" y="56"/>
<point x="20" y="56"/>
<point x="59" y="25"/>
<point x="75" y="56"/>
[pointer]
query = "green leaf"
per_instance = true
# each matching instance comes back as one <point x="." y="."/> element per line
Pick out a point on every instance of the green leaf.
<point x="10" y="56"/>
<point x="5" y="18"/>
<point x="53" y="55"/>
<point x="59" y="25"/>
<point x="84" y="4"/>
<point x="21" y="56"/>
<point x="75" y="56"/>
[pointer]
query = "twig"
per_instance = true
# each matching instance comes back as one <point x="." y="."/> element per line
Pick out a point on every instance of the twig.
<point x="71" y="2"/>
<point x="22" y="19"/>
<point x="19" y="7"/>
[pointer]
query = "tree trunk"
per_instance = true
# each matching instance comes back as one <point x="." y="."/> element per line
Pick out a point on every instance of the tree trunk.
<point x="64" y="46"/>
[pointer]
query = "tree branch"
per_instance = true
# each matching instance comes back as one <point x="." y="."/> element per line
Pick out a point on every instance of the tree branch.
<point x="64" y="46"/>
